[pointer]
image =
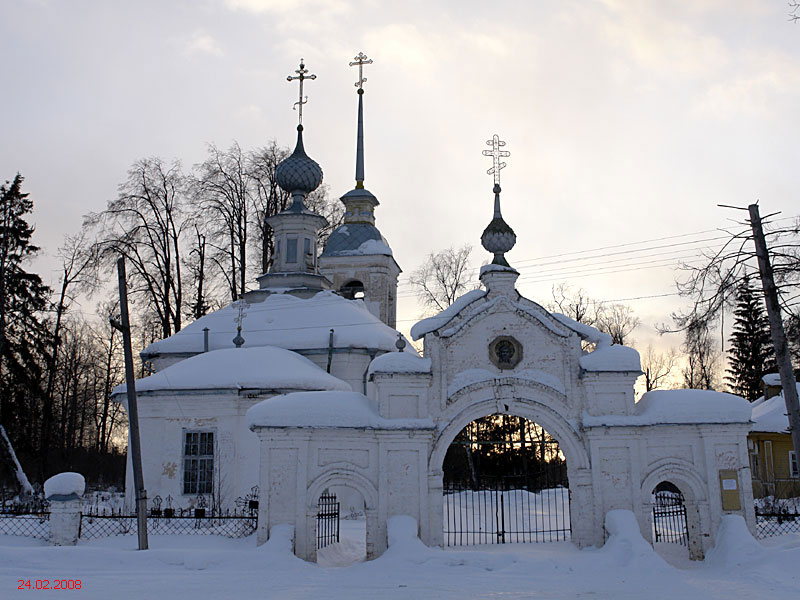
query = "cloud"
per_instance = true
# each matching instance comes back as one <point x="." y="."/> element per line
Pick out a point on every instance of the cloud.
<point x="202" y="43"/>
<point x="297" y="7"/>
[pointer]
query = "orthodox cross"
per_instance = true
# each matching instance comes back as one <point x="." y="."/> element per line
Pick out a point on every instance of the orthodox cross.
<point x="496" y="143"/>
<point x="301" y="76"/>
<point x="361" y="60"/>
<point x="238" y="341"/>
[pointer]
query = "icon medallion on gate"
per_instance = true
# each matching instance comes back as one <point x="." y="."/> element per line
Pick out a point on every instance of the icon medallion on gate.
<point x="505" y="352"/>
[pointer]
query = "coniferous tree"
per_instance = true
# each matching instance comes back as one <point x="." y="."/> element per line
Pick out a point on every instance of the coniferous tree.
<point x="751" y="354"/>
<point x="24" y="336"/>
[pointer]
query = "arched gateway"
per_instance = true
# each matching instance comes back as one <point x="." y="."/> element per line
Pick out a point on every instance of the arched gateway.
<point x="493" y="352"/>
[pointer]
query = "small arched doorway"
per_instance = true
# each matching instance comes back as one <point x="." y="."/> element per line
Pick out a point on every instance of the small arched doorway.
<point x="670" y="532"/>
<point x="341" y="527"/>
<point x="504" y="481"/>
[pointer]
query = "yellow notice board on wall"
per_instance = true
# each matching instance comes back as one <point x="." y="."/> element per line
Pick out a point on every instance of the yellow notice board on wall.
<point x="729" y="488"/>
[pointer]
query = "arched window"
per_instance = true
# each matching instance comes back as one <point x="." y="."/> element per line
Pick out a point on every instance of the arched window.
<point x="352" y="290"/>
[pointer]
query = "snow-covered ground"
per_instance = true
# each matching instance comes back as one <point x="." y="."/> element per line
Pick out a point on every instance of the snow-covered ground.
<point x="205" y="567"/>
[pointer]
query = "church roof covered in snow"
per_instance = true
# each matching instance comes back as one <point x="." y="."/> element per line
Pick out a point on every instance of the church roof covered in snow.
<point x="262" y="368"/>
<point x="356" y="239"/>
<point x="285" y="321"/>
<point x="325" y="409"/>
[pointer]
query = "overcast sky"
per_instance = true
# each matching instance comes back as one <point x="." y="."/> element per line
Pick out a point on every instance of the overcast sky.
<point x="626" y="121"/>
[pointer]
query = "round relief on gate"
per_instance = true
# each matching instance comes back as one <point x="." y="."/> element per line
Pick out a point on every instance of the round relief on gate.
<point x="505" y="352"/>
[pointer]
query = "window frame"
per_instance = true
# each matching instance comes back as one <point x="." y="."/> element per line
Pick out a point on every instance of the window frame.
<point x="794" y="466"/>
<point x="201" y="460"/>
<point x="291" y="251"/>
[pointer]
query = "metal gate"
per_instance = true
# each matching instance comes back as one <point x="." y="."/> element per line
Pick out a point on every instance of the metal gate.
<point x="505" y="512"/>
<point x="505" y="481"/>
<point x="327" y="520"/>
<point x="669" y="519"/>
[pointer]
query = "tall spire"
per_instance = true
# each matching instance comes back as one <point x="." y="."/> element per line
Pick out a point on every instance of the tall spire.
<point x="360" y="60"/>
<point x="498" y="238"/>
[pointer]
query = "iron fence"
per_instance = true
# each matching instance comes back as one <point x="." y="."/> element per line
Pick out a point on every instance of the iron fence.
<point x="182" y="523"/>
<point x="327" y="520"/>
<point x="776" y="523"/>
<point x="34" y="525"/>
<point x="167" y="520"/>
<point x="669" y="519"/>
<point x="505" y="511"/>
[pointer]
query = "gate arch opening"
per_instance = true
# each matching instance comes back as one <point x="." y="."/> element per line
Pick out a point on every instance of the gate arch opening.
<point x="670" y="531"/>
<point x="340" y="527"/>
<point x="504" y="481"/>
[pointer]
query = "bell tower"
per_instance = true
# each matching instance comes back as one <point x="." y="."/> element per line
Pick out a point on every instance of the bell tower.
<point x="357" y="259"/>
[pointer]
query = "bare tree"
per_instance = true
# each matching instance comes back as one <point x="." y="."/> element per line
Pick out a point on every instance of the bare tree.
<point x="794" y="10"/>
<point x="443" y="277"/>
<point x="223" y="188"/>
<point x="268" y="198"/>
<point x="79" y="264"/>
<point x="574" y="304"/>
<point x="702" y="357"/>
<point x="657" y="367"/>
<point x="146" y="224"/>
<point x="618" y="321"/>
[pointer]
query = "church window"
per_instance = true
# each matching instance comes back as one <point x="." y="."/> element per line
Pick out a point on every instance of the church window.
<point x="307" y="245"/>
<point x="352" y="290"/>
<point x="291" y="250"/>
<point x="505" y="352"/>
<point x="198" y="462"/>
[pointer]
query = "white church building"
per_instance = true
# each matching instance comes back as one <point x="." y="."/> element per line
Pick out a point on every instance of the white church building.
<point x="305" y="386"/>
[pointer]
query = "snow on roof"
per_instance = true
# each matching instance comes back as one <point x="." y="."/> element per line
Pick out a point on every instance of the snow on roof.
<point x="587" y="332"/>
<point x="64" y="484"/>
<point x="471" y="376"/>
<point x="356" y="239"/>
<point x="772" y="379"/>
<point x="430" y="324"/>
<point x="680" y="407"/>
<point x="606" y="356"/>
<point x="285" y="321"/>
<point x="325" y="409"/>
<point x="611" y="358"/>
<point x="261" y="367"/>
<point x="492" y="268"/>
<point x="399" y="362"/>
<point x="770" y="415"/>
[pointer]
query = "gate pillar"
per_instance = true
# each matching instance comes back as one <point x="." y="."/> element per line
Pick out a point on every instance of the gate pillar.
<point x="581" y="511"/>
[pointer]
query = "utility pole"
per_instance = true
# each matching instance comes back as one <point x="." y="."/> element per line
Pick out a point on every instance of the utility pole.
<point x="776" y="329"/>
<point x="124" y="325"/>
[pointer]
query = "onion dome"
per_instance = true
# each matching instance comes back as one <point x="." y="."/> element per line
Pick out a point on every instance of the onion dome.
<point x="498" y="237"/>
<point x="299" y="173"/>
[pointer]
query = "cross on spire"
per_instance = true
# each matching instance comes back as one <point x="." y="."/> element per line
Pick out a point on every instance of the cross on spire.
<point x="361" y="60"/>
<point x="496" y="143"/>
<point x="301" y="76"/>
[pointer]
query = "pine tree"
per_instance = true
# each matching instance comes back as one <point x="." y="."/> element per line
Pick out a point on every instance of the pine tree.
<point x="24" y="336"/>
<point x="751" y="354"/>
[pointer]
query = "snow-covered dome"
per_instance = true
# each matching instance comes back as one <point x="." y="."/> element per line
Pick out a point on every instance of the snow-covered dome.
<point x="260" y="368"/>
<point x="355" y="239"/>
<point x="285" y="321"/>
<point x="299" y="172"/>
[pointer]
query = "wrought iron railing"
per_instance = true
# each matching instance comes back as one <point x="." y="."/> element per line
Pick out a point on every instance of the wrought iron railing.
<point x="164" y="519"/>
<point x="669" y="519"/>
<point x="327" y="520"/>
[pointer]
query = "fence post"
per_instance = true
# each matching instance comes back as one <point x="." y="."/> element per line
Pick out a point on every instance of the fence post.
<point x="64" y="492"/>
